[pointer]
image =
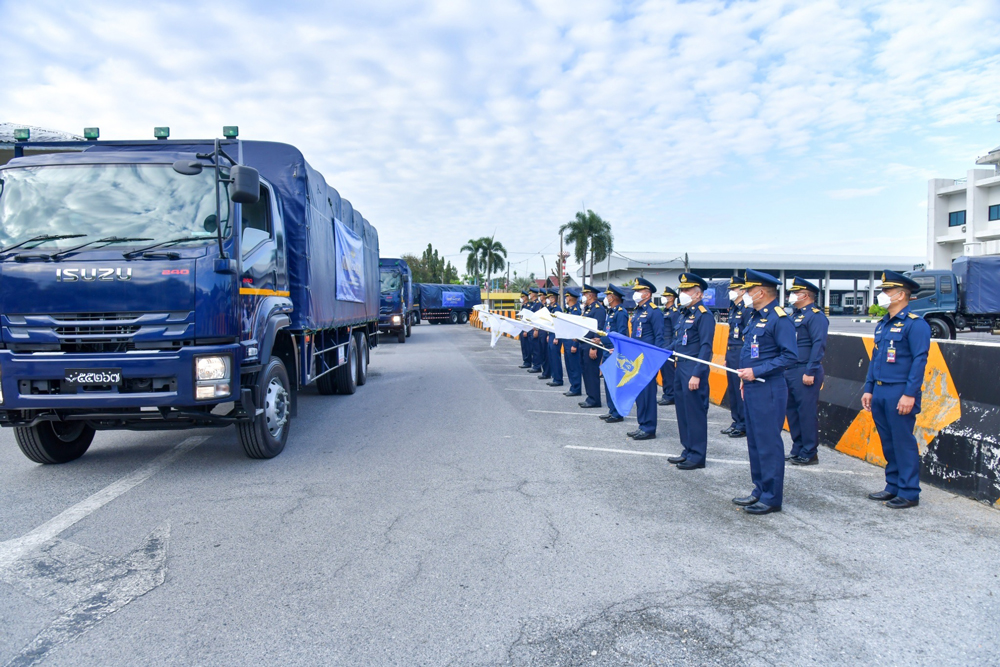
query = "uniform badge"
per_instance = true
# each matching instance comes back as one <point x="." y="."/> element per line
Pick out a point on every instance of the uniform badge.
<point x="890" y="354"/>
<point x="754" y="349"/>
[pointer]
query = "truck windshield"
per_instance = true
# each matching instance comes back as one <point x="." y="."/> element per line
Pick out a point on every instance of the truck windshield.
<point x="391" y="282"/>
<point x="148" y="201"/>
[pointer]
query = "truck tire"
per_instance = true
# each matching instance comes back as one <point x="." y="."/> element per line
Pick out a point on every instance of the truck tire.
<point x="265" y="436"/>
<point x="409" y="327"/>
<point x="939" y="328"/>
<point x="54" y="442"/>
<point x="463" y="317"/>
<point x="346" y="377"/>
<point x="364" y="356"/>
<point x="401" y="334"/>
<point x="453" y="317"/>
<point x="326" y="385"/>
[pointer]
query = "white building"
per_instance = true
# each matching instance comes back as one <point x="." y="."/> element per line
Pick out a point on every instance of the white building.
<point x="963" y="215"/>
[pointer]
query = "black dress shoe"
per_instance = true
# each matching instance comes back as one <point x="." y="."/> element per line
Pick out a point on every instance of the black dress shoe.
<point x="534" y="370"/>
<point x="554" y="384"/>
<point x="664" y="401"/>
<point x="737" y="434"/>
<point x="727" y="430"/>
<point x="602" y="417"/>
<point x="801" y="461"/>
<point x="760" y="508"/>
<point x="746" y="501"/>
<point x="676" y="459"/>
<point x="900" y="503"/>
<point x="881" y="495"/>
<point x="525" y="366"/>
<point x="687" y="465"/>
<point x="634" y="433"/>
<point x="587" y="405"/>
<point x="789" y="457"/>
<point x="614" y="420"/>
<point x="544" y="377"/>
<point x="572" y="393"/>
<point x="644" y="435"/>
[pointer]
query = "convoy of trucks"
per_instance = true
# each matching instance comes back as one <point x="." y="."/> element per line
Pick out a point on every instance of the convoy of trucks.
<point x="397" y="312"/>
<point x="448" y="303"/>
<point x="967" y="298"/>
<point x="176" y="284"/>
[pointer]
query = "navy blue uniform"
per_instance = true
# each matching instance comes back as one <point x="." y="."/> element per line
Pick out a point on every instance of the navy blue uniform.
<point x="769" y="348"/>
<point x="896" y="370"/>
<point x="572" y="359"/>
<point x="671" y="316"/>
<point x="525" y="340"/>
<point x="811" y="328"/>
<point x="591" y="368"/>
<point x="617" y="321"/>
<point x="647" y="326"/>
<point x="554" y="353"/>
<point x="693" y="336"/>
<point x="739" y="316"/>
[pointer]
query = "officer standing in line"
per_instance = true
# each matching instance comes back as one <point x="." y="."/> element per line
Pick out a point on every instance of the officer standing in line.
<point x="555" y="345"/>
<point x="647" y="326"/>
<point x="768" y="350"/>
<point x="671" y="315"/>
<point x="617" y="321"/>
<point x="525" y="338"/>
<point x="571" y="348"/>
<point x="894" y="386"/>
<point x="806" y="377"/>
<point x="536" y="336"/>
<point x="545" y="299"/>
<point x="693" y="336"/>
<point x="590" y="357"/>
<point x="739" y="315"/>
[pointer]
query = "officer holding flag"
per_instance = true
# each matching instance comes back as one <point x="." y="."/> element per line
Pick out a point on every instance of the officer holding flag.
<point x="647" y="326"/>
<point x="571" y="348"/>
<point x="616" y="322"/>
<point x="590" y="356"/>
<point x="535" y="337"/>
<point x="739" y="315"/>
<point x="671" y="315"/>
<point x="525" y="338"/>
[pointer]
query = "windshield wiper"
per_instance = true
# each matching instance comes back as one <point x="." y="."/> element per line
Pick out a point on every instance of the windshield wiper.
<point x="41" y="239"/>
<point x="140" y="251"/>
<point x="58" y="255"/>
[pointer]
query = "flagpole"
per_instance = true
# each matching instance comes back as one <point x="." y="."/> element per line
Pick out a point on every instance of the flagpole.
<point x="702" y="361"/>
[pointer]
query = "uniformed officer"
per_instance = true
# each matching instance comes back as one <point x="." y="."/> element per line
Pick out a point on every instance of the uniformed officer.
<point x="524" y="337"/>
<point x="806" y="377"/>
<point x="894" y="386"/>
<point x="671" y="315"/>
<point x="571" y="348"/>
<point x="554" y="344"/>
<point x="768" y="350"/>
<point x="617" y="321"/>
<point x="739" y="315"/>
<point x="693" y="336"/>
<point x="537" y="337"/>
<point x="647" y="326"/>
<point x="590" y="357"/>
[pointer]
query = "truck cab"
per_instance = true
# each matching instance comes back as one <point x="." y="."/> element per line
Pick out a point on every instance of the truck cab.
<point x="937" y="301"/>
<point x="395" y="313"/>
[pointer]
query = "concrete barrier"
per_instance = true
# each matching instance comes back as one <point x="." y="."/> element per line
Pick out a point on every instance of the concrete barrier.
<point x="958" y="428"/>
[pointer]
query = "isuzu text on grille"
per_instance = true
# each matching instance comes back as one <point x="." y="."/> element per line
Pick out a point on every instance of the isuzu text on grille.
<point x="73" y="275"/>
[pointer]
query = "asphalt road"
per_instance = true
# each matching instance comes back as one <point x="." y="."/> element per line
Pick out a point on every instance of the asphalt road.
<point x="846" y="324"/>
<point x="439" y="516"/>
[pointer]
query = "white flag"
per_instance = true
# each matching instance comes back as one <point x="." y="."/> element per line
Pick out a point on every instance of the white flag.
<point x="495" y="334"/>
<point x="568" y="329"/>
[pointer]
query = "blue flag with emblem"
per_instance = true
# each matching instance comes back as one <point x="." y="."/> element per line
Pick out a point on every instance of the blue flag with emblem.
<point x="631" y="367"/>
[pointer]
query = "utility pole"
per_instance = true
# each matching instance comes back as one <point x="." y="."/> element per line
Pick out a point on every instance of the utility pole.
<point x="559" y="265"/>
<point x="687" y="265"/>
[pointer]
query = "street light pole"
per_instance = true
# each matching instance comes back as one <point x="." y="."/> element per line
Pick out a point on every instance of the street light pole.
<point x="560" y="270"/>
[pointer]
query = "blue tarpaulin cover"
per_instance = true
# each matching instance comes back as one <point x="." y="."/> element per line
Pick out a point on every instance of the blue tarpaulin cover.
<point x="449" y="296"/>
<point x="980" y="280"/>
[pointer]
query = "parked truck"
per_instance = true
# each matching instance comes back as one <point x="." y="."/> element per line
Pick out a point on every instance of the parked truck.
<point x="967" y="298"/>
<point x="176" y="284"/>
<point x="448" y="303"/>
<point x="396" y="311"/>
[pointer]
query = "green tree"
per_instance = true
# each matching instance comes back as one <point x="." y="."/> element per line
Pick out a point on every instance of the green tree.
<point x="430" y="267"/>
<point x="473" y="261"/>
<point x="522" y="283"/>
<point x="590" y="234"/>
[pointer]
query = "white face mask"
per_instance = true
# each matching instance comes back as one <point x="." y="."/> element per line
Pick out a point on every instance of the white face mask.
<point x="637" y="297"/>
<point x="607" y="302"/>
<point x="748" y="300"/>
<point x="884" y="299"/>
<point x="793" y="298"/>
<point x="733" y="295"/>
<point x="685" y="299"/>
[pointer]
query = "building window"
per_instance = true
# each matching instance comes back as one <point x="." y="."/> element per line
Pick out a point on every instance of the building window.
<point x="956" y="218"/>
<point x="995" y="212"/>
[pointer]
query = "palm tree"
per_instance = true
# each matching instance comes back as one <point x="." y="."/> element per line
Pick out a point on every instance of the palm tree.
<point x="493" y="258"/>
<point x="473" y="262"/>
<point x="589" y="233"/>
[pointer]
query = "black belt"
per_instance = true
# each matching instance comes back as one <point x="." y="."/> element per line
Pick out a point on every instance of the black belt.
<point x="880" y="383"/>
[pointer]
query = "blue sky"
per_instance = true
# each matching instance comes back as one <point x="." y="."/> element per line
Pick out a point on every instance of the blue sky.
<point x="778" y="126"/>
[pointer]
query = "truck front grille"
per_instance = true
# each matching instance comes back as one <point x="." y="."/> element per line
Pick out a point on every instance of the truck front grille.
<point x="98" y="332"/>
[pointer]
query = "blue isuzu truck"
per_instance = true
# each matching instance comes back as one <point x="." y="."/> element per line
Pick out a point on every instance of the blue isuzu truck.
<point x="396" y="313"/>
<point x="176" y="284"/>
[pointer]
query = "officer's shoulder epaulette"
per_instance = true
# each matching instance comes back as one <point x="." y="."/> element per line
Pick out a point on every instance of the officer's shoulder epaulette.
<point x="914" y="316"/>
<point x="780" y="311"/>
<point x="815" y="309"/>
<point x="702" y="309"/>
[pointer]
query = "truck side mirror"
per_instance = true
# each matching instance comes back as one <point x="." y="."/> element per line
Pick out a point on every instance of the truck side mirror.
<point x="245" y="184"/>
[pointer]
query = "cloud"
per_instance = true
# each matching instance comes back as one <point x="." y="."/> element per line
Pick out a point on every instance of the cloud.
<point x="854" y="193"/>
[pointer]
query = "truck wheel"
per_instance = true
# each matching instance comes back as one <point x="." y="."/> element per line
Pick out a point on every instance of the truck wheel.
<point x="453" y="317"/>
<point x="364" y="357"/>
<point x="409" y="327"/>
<point x="939" y="328"/>
<point x="401" y="335"/>
<point x="463" y="317"/>
<point x="54" y="442"/>
<point x="265" y="436"/>
<point x="346" y="377"/>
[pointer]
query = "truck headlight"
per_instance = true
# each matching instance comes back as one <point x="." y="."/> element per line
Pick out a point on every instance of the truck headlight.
<point x="396" y="319"/>
<point x="212" y="368"/>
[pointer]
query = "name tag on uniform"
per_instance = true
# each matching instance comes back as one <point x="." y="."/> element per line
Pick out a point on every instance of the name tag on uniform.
<point x="754" y="349"/>
<point x="762" y="325"/>
<point x="639" y="330"/>
<point x="895" y="330"/>
<point x="736" y="332"/>
<point x="890" y="354"/>
<point x="684" y="339"/>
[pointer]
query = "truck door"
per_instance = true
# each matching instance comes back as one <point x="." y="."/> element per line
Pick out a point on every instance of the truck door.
<point x="926" y="299"/>
<point x="262" y="260"/>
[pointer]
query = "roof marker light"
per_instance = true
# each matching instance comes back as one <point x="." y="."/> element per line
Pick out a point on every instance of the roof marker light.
<point x="22" y="134"/>
<point x="230" y="131"/>
<point x="161" y="132"/>
<point x="91" y="133"/>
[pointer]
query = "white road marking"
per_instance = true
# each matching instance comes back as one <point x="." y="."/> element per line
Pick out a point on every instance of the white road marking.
<point x="12" y="550"/>
<point x="707" y="460"/>
<point x="547" y="391"/>
<point x="575" y="414"/>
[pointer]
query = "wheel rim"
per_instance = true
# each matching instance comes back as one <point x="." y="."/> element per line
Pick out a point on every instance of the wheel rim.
<point x="276" y="407"/>
<point x="67" y="431"/>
